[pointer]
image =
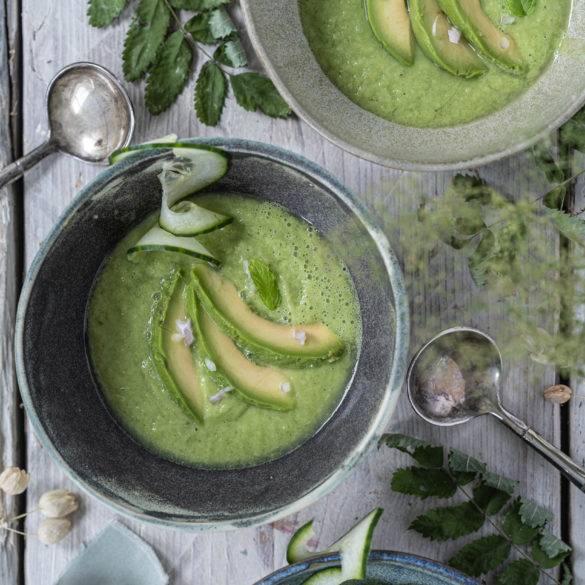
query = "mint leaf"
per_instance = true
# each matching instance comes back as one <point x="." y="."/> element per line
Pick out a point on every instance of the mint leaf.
<point x="449" y="522"/>
<point x="528" y="6"/>
<point x="482" y="555"/>
<point x="534" y="515"/>
<point x="210" y="92"/>
<point x="490" y="499"/>
<point x="423" y="453"/>
<point x="500" y="482"/>
<point x="516" y="530"/>
<point x="459" y="461"/>
<point x="254" y="91"/>
<point x="573" y="228"/>
<point x="424" y="483"/>
<point x="197" y="5"/>
<point x="208" y="27"/>
<point x="145" y="36"/>
<point x="104" y="12"/>
<point x="169" y="74"/>
<point x="266" y="283"/>
<point x="573" y="132"/>
<point x="546" y="561"/>
<point x="521" y="572"/>
<point x="521" y="7"/>
<point x="231" y="53"/>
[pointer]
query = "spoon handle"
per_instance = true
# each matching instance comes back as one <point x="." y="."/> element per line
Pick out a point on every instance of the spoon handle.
<point x="16" y="169"/>
<point x="569" y="468"/>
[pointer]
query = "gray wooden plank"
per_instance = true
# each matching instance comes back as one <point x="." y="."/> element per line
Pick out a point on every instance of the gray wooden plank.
<point x="576" y="420"/>
<point x="246" y="555"/>
<point x="9" y="259"/>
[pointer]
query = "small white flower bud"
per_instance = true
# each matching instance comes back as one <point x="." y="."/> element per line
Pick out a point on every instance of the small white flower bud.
<point x="53" y="530"/>
<point x="58" y="504"/>
<point x="14" y="481"/>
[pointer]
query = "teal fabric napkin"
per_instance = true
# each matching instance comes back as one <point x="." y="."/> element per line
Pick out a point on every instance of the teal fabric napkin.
<point x="115" y="557"/>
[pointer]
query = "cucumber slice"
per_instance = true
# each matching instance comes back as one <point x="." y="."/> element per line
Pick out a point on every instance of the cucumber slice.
<point x="191" y="170"/>
<point x="355" y="545"/>
<point x="158" y="240"/>
<point x="298" y="547"/>
<point x="122" y="153"/>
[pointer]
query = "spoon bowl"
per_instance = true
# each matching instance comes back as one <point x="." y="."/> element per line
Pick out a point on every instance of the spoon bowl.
<point x="90" y="115"/>
<point x="457" y="376"/>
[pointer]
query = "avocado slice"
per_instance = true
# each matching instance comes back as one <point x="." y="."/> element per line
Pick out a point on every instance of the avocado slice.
<point x="432" y="29"/>
<point x="483" y="34"/>
<point x="172" y="357"/>
<point x="295" y="345"/>
<point x="391" y="26"/>
<point x="259" y="385"/>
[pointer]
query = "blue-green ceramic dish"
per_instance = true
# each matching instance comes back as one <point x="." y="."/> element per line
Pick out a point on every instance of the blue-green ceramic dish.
<point x="393" y="568"/>
<point x="63" y="400"/>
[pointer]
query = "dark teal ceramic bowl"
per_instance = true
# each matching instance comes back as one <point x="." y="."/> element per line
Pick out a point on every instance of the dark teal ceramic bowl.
<point x="64" y="403"/>
<point x="393" y="568"/>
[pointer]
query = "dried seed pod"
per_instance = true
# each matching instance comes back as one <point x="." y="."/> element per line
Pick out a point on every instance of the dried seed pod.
<point x="559" y="394"/>
<point x="58" y="503"/>
<point x="14" y="481"/>
<point x="53" y="530"/>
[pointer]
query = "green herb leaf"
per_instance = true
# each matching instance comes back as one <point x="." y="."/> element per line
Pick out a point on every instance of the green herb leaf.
<point x="103" y="12"/>
<point x="423" y="453"/>
<point x="521" y="572"/>
<point x="210" y="93"/>
<point x="424" y="483"/>
<point x="500" y="482"/>
<point x="473" y="189"/>
<point x="482" y="555"/>
<point x="197" y="5"/>
<point x="490" y="499"/>
<point x="462" y="478"/>
<point x="266" y="283"/>
<point x="534" y="515"/>
<point x="209" y="27"/>
<point x="518" y="532"/>
<point x="573" y="132"/>
<point x="449" y="522"/>
<point x="544" y="559"/>
<point x="459" y="461"/>
<point x="169" y="74"/>
<point x="567" y="575"/>
<point x="479" y="262"/>
<point x="573" y="228"/>
<point x="521" y="7"/>
<point x="145" y="36"/>
<point x="254" y="91"/>
<point x="552" y="545"/>
<point x="231" y="53"/>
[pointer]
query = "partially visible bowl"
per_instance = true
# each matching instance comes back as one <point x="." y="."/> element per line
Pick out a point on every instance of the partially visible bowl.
<point x="63" y="401"/>
<point x="394" y="568"/>
<point x="277" y="35"/>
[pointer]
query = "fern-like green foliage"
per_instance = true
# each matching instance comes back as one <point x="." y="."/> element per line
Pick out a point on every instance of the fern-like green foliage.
<point x="161" y="46"/>
<point x="518" y="524"/>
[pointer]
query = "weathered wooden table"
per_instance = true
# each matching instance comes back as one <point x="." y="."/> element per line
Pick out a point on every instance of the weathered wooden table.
<point x="37" y="38"/>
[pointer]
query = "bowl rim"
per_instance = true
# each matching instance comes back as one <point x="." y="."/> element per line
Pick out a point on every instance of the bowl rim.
<point x="400" y="352"/>
<point x="386" y="162"/>
<point x="331" y="559"/>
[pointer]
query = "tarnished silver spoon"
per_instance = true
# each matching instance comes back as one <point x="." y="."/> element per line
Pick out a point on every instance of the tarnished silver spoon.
<point x="90" y="116"/>
<point x="456" y="376"/>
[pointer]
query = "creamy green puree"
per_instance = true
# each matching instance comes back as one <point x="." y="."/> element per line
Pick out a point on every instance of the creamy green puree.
<point x="424" y="95"/>
<point x="315" y="287"/>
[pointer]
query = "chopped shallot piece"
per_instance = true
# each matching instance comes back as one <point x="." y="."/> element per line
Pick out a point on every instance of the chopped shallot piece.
<point x="219" y="395"/>
<point x="434" y="29"/>
<point x="300" y="336"/>
<point x="505" y="43"/>
<point x="285" y="387"/>
<point x="454" y="35"/>
<point x="185" y="330"/>
<point x="210" y="365"/>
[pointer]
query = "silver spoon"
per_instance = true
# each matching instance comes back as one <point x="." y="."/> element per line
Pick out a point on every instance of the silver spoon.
<point x="90" y="116"/>
<point x="456" y="376"/>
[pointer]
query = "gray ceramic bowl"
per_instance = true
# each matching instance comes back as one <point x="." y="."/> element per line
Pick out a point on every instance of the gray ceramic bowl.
<point x="64" y="403"/>
<point x="277" y="35"/>
<point x="394" y="568"/>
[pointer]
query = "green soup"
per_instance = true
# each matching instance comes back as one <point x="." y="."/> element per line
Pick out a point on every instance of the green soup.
<point x="423" y="95"/>
<point x="315" y="287"/>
